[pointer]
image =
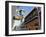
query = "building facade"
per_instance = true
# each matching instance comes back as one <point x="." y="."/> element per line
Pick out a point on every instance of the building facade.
<point x="33" y="20"/>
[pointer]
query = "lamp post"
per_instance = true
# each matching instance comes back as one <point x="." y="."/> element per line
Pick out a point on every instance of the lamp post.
<point x="20" y="13"/>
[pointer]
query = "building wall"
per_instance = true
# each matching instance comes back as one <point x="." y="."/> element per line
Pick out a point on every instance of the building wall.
<point x="35" y="23"/>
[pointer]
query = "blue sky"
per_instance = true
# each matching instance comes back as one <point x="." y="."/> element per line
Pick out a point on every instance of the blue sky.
<point x="27" y="9"/>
